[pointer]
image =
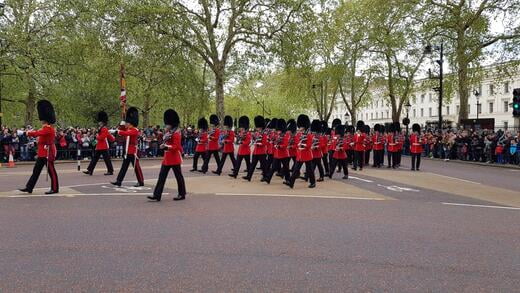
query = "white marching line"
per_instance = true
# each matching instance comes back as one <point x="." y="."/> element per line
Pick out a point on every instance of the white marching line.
<point x="480" y="206"/>
<point x="455" y="178"/>
<point x="297" y="195"/>
<point x="360" y="179"/>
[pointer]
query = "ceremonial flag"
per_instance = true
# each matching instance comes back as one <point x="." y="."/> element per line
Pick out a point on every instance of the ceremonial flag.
<point x="122" y="85"/>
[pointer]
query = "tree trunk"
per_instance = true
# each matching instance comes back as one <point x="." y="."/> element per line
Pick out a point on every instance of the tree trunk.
<point x="219" y="99"/>
<point x="146" y="111"/>
<point x="353" y="116"/>
<point x="30" y="102"/>
<point x="462" y="75"/>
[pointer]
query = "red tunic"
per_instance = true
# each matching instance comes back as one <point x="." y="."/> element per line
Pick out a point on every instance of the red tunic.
<point x="339" y="151"/>
<point x="202" y="143"/>
<point x="173" y="151"/>
<point x="229" y="142"/>
<point x="132" y="134"/>
<point x="391" y="144"/>
<point x="103" y="137"/>
<point x="349" y="141"/>
<point x="293" y="146"/>
<point x="46" y="146"/>
<point x="416" y="143"/>
<point x="378" y="142"/>
<point x="316" y="151"/>
<point x="324" y="144"/>
<point x="213" y="140"/>
<point x="271" y="138"/>
<point x="359" y="142"/>
<point x="368" y="142"/>
<point x="280" y="149"/>
<point x="260" y="142"/>
<point x="304" y="153"/>
<point x="244" y="149"/>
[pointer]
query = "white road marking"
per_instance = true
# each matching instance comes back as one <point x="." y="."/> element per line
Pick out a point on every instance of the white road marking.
<point x="298" y="195"/>
<point x="455" y="178"/>
<point x="479" y="206"/>
<point x="360" y="179"/>
<point x="75" y="195"/>
<point x="398" y="188"/>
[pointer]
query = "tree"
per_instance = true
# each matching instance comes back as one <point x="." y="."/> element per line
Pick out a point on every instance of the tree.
<point x="468" y="26"/>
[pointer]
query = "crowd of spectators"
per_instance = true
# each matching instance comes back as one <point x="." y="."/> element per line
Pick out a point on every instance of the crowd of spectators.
<point x="498" y="147"/>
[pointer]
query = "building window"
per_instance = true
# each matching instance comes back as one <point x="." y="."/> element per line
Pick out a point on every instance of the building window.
<point x="480" y="89"/>
<point x="506" y="106"/>
<point x="430" y="97"/>
<point x="491" y="89"/>
<point x="458" y="109"/>
<point x="422" y="112"/>
<point x="414" y="113"/>
<point x="377" y="115"/>
<point x="506" y="125"/>
<point x="371" y="116"/>
<point x="479" y="108"/>
<point x="491" y="107"/>
<point x="430" y="112"/>
<point x="422" y="98"/>
<point x="366" y="115"/>
<point x="506" y="87"/>
<point x="469" y="109"/>
<point x="387" y="114"/>
<point x="447" y="110"/>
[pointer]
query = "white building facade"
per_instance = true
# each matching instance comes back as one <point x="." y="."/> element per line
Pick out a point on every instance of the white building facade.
<point x="495" y="97"/>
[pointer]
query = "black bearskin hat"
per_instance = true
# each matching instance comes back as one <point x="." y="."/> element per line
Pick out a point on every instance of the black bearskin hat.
<point x="267" y="123"/>
<point x="213" y="120"/>
<point x="171" y="118"/>
<point x="281" y="125"/>
<point x="416" y="127"/>
<point x="202" y="124"/>
<point x="350" y="129"/>
<point x="324" y="127"/>
<point x="377" y="128"/>
<point x="336" y="122"/>
<point x="340" y="130"/>
<point x="303" y="121"/>
<point x="132" y="116"/>
<point x="291" y="125"/>
<point x="316" y="125"/>
<point x="243" y="122"/>
<point x="102" y="116"/>
<point x="397" y="127"/>
<point x="46" y="112"/>
<point x="259" y="122"/>
<point x="366" y="129"/>
<point x="228" y="121"/>
<point x="360" y="125"/>
<point x="273" y="123"/>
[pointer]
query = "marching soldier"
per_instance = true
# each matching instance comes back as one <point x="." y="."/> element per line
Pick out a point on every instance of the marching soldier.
<point x="416" y="146"/>
<point x="358" y="144"/>
<point x="172" y="157"/>
<point x="244" y="146"/>
<point x="281" y="153"/>
<point x="324" y="145"/>
<point x="46" y="148"/>
<point x="103" y="139"/>
<point x="350" y="143"/>
<point x="293" y="145"/>
<point x="132" y="134"/>
<point x="339" y="156"/>
<point x="213" y="144"/>
<point x="304" y="154"/>
<point x="228" y="141"/>
<point x="391" y="146"/>
<point x="271" y="137"/>
<point x="331" y="142"/>
<point x="378" y="143"/>
<point x="260" y="148"/>
<point x="316" y="149"/>
<point x="400" y="142"/>
<point x="368" y="144"/>
<point x="202" y="143"/>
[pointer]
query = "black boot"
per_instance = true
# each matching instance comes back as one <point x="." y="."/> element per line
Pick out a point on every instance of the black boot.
<point x="179" y="197"/>
<point x="109" y="173"/>
<point x="138" y="184"/>
<point x="87" y="172"/>
<point x="25" y="190"/>
<point x="51" y="192"/>
<point x="154" y="198"/>
<point x="116" y="183"/>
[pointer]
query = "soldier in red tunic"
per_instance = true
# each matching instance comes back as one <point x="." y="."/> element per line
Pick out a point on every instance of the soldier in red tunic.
<point x="104" y="138"/>
<point x="271" y="137"/>
<point x="358" y="144"/>
<point x="259" y="140"/>
<point x="213" y="143"/>
<point x="202" y="142"/>
<point x="244" y="146"/>
<point x="350" y="129"/>
<point x="228" y="144"/>
<point x="293" y="146"/>
<point x="46" y="148"/>
<point x="324" y="146"/>
<point x="339" y="156"/>
<point x="281" y="153"/>
<point x="330" y="144"/>
<point x="368" y="144"/>
<point x="316" y="149"/>
<point x="132" y="135"/>
<point x="172" y="157"/>
<point x="391" y="146"/>
<point x="304" y="140"/>
<point x="378" y="145"/>
<point x="417" y="141"/>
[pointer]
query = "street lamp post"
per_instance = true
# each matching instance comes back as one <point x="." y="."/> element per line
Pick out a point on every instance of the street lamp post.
<point x="406" y="120"/>
<point x="477" y="95"/>
<point x="429" y="50"/>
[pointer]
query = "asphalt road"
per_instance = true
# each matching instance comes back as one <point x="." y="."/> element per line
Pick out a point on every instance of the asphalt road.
<point x="448" y="228"/>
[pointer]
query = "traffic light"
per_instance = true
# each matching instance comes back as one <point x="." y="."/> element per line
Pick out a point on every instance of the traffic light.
<point x="516" y="102"/>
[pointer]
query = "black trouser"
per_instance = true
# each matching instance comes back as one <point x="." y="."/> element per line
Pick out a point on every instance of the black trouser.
<point x="37" y="170"/>
<point x="137" y="167"/>
<point x="350" y="156"/>
<point x="358" y="159"/>
<point x="268" y="162"/>
<point x="308" y="171"/>
<point x="338" y="162"/>
<point x="281" y="165"/>
<point x="316" y="162"/>
<point x="205" y="166"/>
<point x="196" y="159"/>
<point x="379" y="156"/>
<point x="254" y="161"/>
<point x="367" y="157"/>
<point x="326" y="163"/>
<point x="181" y="187"/>
<point x="416" y="161"/>
<point x="238" y="163"/>
<point x="392" y="159"/>
<point x="95" y="159"/>
<point x="399" y="155"/>
<point x="223" y="161"/>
